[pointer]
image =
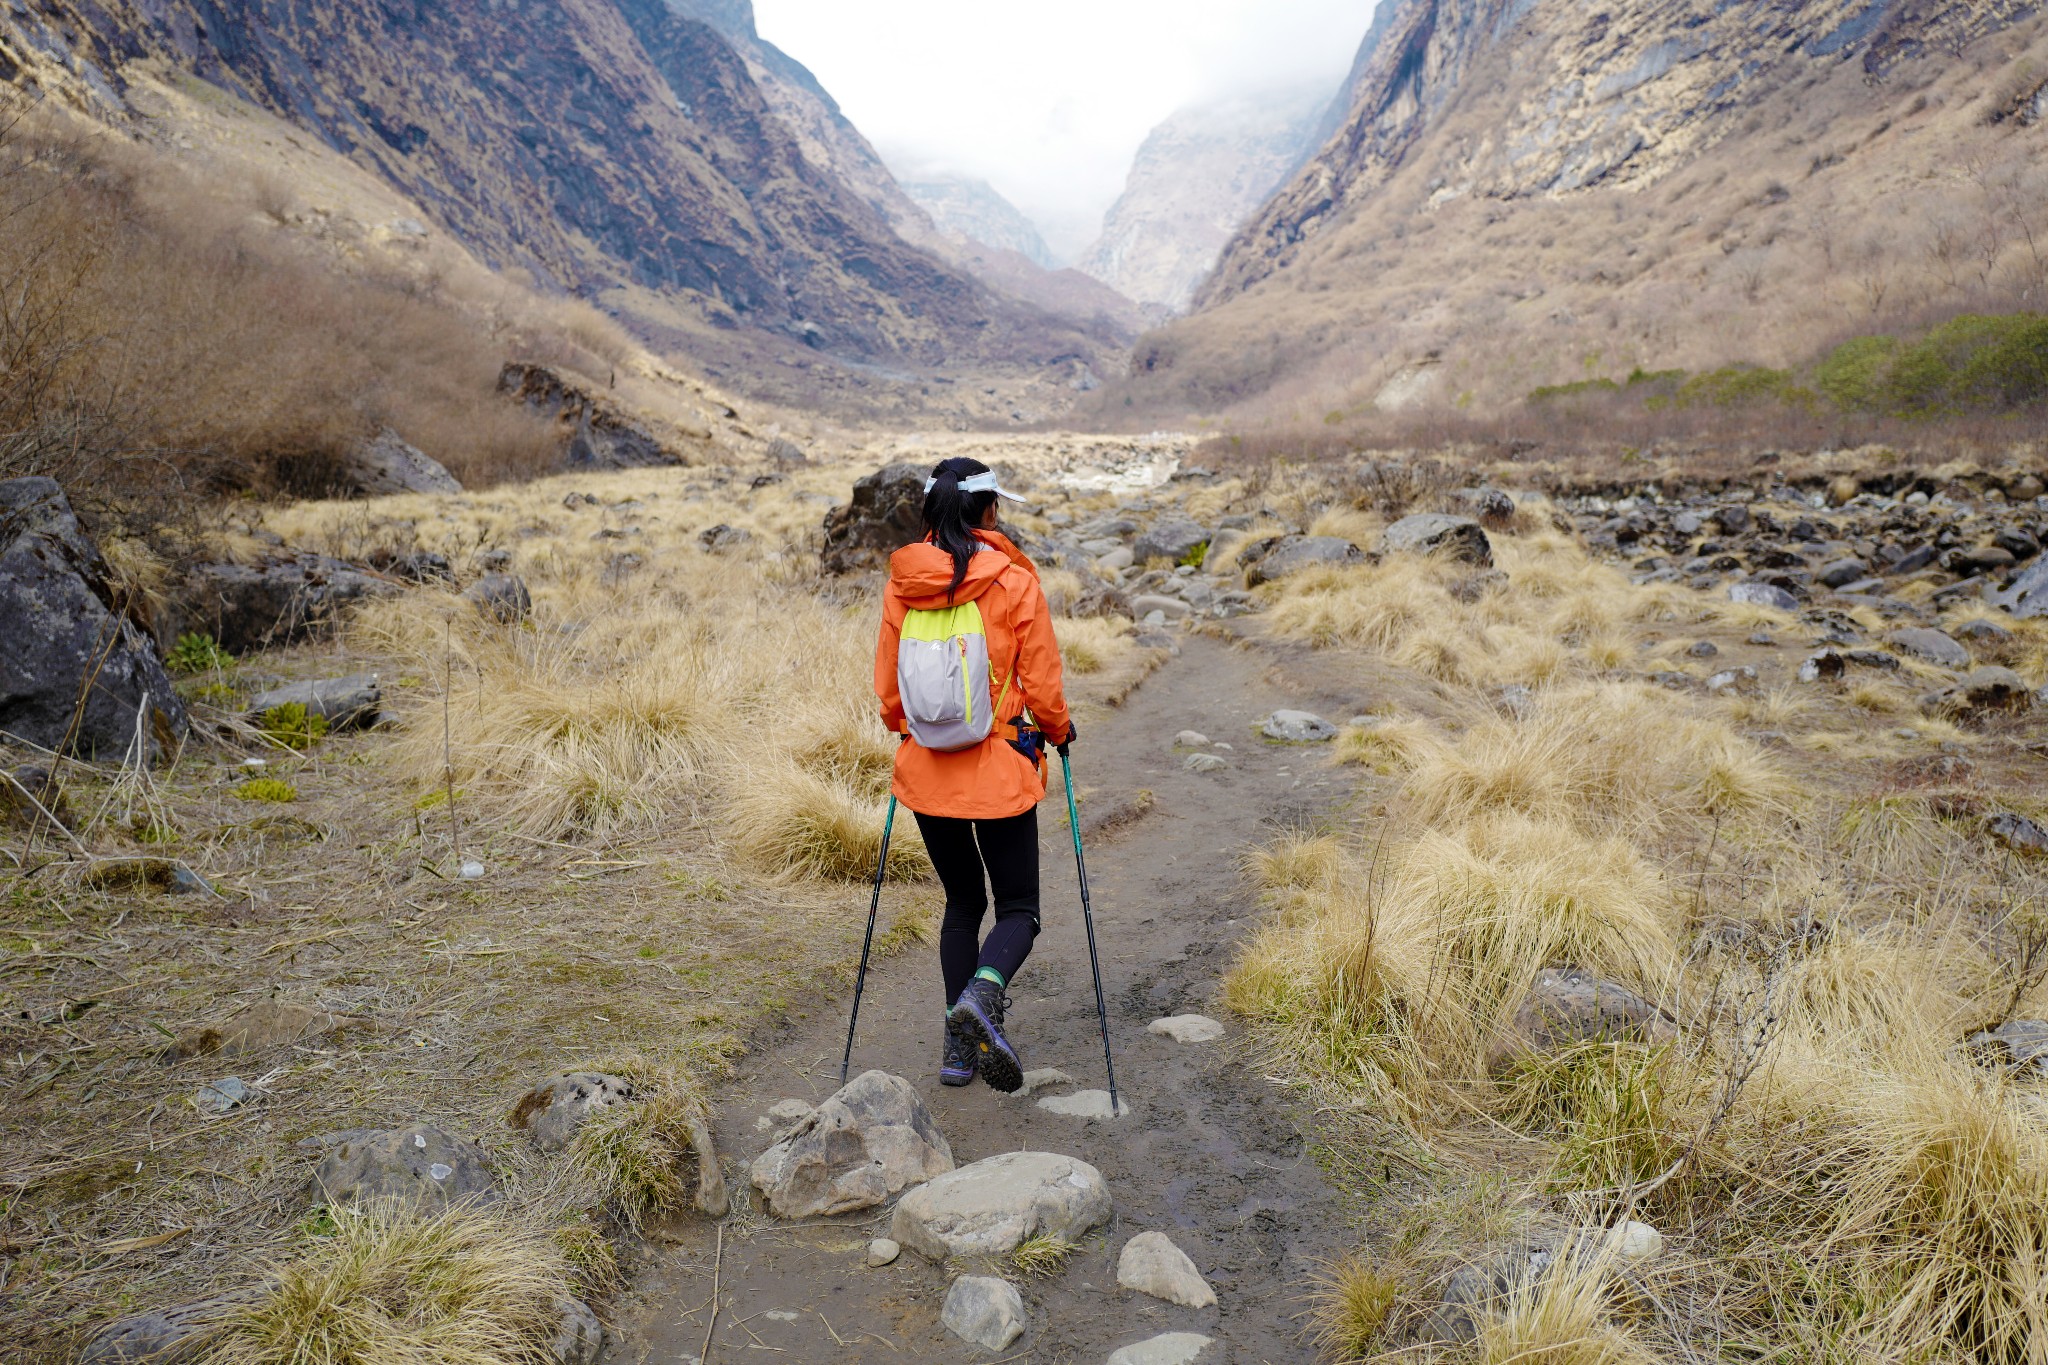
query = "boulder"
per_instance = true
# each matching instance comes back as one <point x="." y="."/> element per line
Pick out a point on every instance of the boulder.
<point x="1173" y="537"/>
<point x="1292" y="554"/>
<point x="870" y="1139"/>
<point x="277" y="601"/>
<point x="552" y="1111"/>
<point x="984" y="1310"/>
<point x="1980" y="692"/>
<point x="387" y="463"/>
<point x="1931" y="645"/>
<point x="1152" y="1264"/>
<point x="1567" y="1007"/>
<point x="1494" y="508"/>
<point x="260" y="1028"/>
<point x="1762" y="595"/>
<point x="418" y="1164"/>
<point x="78" y="674"/>
<point x="885" y="514"/>
<point x="784" y="451"/>
<point x="2019" y="1044"/>
<point x="502" y="597"/>
<point x="344" y="703"/>
<point x="2018" y="833"/>
<point x="1168" y="1348"/>
<point x="2027" y="595"/>
<point x="720" y="538"/>
<point x="600" y="436"/>
<point x="1439" y="533"/>
<point x="989" y="1207"/>
<point x="1297" y="727"/>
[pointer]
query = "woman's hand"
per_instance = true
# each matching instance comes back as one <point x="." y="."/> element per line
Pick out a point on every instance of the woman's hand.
<point x="1072" y="730"/>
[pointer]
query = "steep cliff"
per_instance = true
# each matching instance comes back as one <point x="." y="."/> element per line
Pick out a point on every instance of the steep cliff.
<point x="621" y="144"/>
<point x="1194" y="181"/>
<point x="1528" y="190"/>
<point x="972" y="208"/>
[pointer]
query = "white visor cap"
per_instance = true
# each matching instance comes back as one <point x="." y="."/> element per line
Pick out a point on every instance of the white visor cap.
<point x="980" y="483"/>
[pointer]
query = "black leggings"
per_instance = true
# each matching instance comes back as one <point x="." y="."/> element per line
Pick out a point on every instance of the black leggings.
<point x="1009" y="851"/>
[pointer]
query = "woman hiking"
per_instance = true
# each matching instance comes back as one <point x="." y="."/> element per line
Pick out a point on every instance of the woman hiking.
<point x="969" y="674"/>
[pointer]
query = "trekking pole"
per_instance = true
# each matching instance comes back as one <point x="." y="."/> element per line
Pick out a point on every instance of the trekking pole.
<point x="874" y="907"/>
<point x="1088" y="917"/>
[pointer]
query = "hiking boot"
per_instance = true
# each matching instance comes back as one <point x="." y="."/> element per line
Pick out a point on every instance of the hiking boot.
<point x="961" y="1055"/>
<point x="979" y="1015"/>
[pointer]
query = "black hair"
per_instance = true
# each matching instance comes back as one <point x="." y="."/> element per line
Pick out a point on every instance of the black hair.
<point x="951" y="517"/>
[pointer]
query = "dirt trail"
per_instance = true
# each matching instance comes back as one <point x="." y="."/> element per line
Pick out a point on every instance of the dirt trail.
<point x="1212" y="1154"/>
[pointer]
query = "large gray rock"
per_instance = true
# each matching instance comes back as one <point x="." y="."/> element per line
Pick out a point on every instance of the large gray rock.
<point x="984" y="1310"/>
<point x="1762" y="595"/>
<point x="344" y="703"/>
<point x="277" y="601"/>
<point x="552" y="1111"/>
<point x="2021" y="1044"/>
<point x="885" y="514"/>
<point x="2018" y="833"/>
<point x="987" y="1208"/>
<point x="600" y="436"/>
<point x="1173" y="537"/>
<point x="1566" y="1007"/>
<point x="1152" y="1264"/>
<point x="870" y="1139"/>
<point x="1293" y="554"/>
<point x="1439" y="533"/>
<point x="1297" y="727"/>
<point x="420" y="1164"/>
<point x="77" y="673"/>
<point x="388" y="463"/>
<point x="1168" y="1348"/>
<point x="1980" y="692"/>
<point x="2028" y="595"/>
<point x="503" y="597"/>
<point x="1932" y="645"/>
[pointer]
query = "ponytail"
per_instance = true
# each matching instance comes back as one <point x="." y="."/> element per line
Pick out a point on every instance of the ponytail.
<point x="951" y="516"/>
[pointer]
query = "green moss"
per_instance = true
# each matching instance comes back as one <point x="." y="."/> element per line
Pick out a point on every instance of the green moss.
<point x="267" y="789"/>
<point x="292" y="726"/>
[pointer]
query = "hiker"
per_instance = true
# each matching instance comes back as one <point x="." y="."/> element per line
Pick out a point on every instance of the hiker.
<point x="969" y="674"/>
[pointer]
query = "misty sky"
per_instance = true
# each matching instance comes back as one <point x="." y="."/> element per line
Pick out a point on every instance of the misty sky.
<point x="1048" y="101"/>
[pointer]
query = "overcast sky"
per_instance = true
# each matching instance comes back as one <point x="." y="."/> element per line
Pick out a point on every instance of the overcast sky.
<point x="1048" y="101"/>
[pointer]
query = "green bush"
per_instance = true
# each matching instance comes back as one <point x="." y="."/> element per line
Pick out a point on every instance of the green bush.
<point x="1974" y="362"/>
<point x="1741" y="386"/>
<point x="267" y="789"/>
<point x="292" y="726"/>
<point x="1579" y="388"/>
<point x="196" y="652"/>
<point x="1853" y="375"/>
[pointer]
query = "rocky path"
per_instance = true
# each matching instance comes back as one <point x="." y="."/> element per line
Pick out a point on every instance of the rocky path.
<point x="1210" y="1153"/>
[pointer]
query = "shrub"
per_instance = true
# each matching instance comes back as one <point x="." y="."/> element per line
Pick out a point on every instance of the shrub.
<point x="267" y="789"/>
<point x="195" y="652"/>
<point x="1852" y="376"/>
<point x="1734" y="386"/>
<point x="292" y="726"/>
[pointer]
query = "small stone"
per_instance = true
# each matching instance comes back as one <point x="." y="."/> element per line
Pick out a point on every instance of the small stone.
<point x="1703" y="649"/>
<point x="1635" y="1242"/>
<point x="984" y="1310"/>
<point x="1439" y="533"/>
<point x="1170" y="1348"/>
<point x="1743" y="679"/>
<point x="2017" y="833"/>
<point x="2020" y="1044"/>
<point x="1204" y="763"/>
<point x="1043" y="1078"/>
<point x="552" y="1111"/>
<point x="470" y="870"/>
<point x="217" y="1097"/>
<point x="1146" y="605"/>
<point x="882" y="1251"/>
<point x="790" y="1110"/>
<point x="1187" y="1028"/>
<point x="1191" y="739"/>
<point x="1152" y="1264"/>
<point x="399" y="1164"/>
<point x="502" y="597"/>
<point x="1565" y="1007"/>
<point x="580" y="1338"/>
<point x="989" y="1207"/>
<point x="1762" y="638"/>
<point x="1297" y="727"/>
<point x="1087" y="1104"/>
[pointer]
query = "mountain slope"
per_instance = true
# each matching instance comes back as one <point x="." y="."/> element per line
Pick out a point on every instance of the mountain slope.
<point x="973" y="209"/>
<point x="1525" y="191"/>
<point x="633" y="148"/>
<point x="1194" y="181"/>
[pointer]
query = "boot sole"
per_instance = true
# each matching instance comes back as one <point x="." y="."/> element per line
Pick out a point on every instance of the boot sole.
<point x="998" y="1061"/>
<point x="950" y="1077"/>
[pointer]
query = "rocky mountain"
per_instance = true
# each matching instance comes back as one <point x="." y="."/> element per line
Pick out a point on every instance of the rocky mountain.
<point x="656" y="149"/>
<point x="1524" y="191"/>
<point x="1195" y="180"/>
<point x="973" y="209"/>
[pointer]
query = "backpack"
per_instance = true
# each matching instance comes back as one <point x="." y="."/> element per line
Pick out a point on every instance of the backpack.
<point x="942" y="672"/>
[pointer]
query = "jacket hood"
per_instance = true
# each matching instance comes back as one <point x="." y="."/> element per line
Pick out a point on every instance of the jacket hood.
<point x="921" y="573"/>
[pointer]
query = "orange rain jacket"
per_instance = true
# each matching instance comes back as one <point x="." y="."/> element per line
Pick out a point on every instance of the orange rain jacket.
<point x="992" y="780"/>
